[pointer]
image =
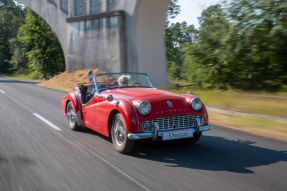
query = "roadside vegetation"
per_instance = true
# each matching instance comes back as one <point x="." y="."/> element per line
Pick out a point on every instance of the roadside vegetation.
<point x="236" y="58"/>
<point x="243" y="101"/>
<point x="262" y="126"/>
<point x="28" y="46"/>
<point x="240" y="45"/>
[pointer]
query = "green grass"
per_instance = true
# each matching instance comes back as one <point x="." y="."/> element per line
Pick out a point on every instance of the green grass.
<point x="23" y="76"/>
<point x="249" y="102"/>
<point x="252" y="124"/>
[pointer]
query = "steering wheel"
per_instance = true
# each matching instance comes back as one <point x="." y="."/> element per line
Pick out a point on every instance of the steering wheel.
<point x="136" y="84"/>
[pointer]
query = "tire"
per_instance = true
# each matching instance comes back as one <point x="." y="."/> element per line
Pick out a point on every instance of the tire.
<point x="194" y="139"/>
<point x="71" y="117"/>
<point x="119" y="135"/>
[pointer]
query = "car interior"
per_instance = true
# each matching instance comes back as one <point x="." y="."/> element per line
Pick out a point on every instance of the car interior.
<point x="87" y="91"/>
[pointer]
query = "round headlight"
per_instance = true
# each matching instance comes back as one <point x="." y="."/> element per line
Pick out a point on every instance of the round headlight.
<point x="196" y="104"/>
<point x="144" y="107"/>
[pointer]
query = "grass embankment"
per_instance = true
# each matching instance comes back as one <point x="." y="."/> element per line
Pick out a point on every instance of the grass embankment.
<point x="245" y="102"/>
<point x="23" y="76"/>
<point x="256" y="125"/>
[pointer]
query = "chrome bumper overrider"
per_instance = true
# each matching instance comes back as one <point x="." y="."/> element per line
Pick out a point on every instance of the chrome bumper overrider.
<point x="155" y="134"/>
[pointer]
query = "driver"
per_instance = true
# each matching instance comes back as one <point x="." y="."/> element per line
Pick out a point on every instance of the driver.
<point x="123" y="80"/>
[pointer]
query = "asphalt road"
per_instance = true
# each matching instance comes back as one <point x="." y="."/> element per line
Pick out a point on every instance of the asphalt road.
<point x="35" y="155"/>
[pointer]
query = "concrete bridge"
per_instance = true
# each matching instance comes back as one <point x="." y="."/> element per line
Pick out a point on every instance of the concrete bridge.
<point x="113" y="35"/>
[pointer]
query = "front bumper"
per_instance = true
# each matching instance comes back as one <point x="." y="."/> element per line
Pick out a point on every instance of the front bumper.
<point x="156" y="134"/>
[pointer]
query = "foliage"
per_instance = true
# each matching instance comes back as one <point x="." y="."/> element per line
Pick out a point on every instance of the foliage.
<point x="18" y="60"/>
<point x="176" y="36"/>
<point x="44" y="52"/>
<point x="203" y="59"/>
<point x="11" y="17"/>
<point x="257" y="44"/>
<point x="27" y="44"/>
<point x="240" y="44"/>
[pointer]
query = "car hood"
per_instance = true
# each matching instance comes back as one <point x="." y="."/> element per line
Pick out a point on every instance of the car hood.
<point x="142" y="93"/>
<point x="163" y="103"/>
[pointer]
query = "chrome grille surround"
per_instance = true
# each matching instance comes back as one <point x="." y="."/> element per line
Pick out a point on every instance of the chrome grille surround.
<point x="171" y="123"/>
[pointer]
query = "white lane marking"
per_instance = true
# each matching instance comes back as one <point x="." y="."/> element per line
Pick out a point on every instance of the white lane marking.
<point x="47" y="122"/>
<point x="2" y="92"/>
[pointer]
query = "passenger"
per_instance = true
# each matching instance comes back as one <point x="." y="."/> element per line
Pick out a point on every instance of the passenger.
<point x="123" y="80"/>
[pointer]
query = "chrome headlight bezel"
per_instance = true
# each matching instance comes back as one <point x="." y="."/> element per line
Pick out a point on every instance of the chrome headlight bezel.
<point x="196" y="104"/>
<point x="144" y="107"/>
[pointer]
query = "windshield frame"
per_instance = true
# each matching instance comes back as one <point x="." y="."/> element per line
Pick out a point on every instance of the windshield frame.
<point x="97" y="85"/>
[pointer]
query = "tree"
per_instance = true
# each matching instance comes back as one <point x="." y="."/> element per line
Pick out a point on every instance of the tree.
<point x="44" y="52"/>
<point x="257" y="43"/>
<point x="11" y="17"/>
<point x="176" y="36"/>
<point x="173" y="9"/>
<point x="241" y="45"/>
<point x="18" y="60"/>
<point x="203" y="59"/>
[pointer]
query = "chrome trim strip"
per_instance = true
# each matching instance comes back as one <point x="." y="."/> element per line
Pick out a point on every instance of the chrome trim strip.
<point x="204" y="128"/>
<point x="137" y="136"/>
<point x="172" y="123"/>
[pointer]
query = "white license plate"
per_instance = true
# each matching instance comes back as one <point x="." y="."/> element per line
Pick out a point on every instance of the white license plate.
<point x="177" y="134"/>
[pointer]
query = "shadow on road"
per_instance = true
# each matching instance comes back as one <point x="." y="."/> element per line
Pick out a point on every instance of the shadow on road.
<point x="89" y="131"/>
<point x="18" y="82"/>
<point x="211" y="153"/>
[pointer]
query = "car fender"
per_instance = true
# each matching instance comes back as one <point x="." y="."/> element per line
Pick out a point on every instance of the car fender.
<point x="74" y="99"/>
<point x="203" y="111"/>
<point x="106" y="111"/>
<point x="130" y="115"/>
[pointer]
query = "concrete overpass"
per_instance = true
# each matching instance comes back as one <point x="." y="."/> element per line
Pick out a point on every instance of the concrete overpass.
<point x="113" y="35"/>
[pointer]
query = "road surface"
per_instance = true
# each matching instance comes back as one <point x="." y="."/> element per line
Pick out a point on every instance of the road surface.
<point x="39" y="152"/>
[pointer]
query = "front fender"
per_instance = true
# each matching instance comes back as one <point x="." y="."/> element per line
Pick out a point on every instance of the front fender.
<point x="74" y="99"/>
<point x="105" y="112"/>
<point x="130" y="115"/>
<point x="203" y="111"/>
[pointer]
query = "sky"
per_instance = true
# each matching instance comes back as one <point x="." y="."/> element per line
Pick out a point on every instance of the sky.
<point x="191" y="9"/>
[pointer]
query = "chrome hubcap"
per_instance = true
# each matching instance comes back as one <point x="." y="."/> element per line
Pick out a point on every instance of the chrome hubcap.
<point x="71" y="115"/>
<point x="119" y="132"/>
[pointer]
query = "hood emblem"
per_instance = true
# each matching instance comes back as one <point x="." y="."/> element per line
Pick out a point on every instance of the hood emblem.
<point x="169" y="104"/>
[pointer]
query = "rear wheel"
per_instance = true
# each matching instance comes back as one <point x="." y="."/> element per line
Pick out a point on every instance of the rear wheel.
<point x="119" y="135"/>
<point x="71" y="117"/>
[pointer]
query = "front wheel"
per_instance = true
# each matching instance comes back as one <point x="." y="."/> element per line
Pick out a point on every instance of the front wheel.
<point x="71" y="117"/>
<point x="119" y="135"/>
<point x="193" y="139"/>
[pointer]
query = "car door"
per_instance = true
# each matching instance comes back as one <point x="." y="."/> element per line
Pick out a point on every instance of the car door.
<point x="88" y="108"/>
<point x="91" y="110"/>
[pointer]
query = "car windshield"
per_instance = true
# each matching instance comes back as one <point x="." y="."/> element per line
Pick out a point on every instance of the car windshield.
<point x="122" y="80"/>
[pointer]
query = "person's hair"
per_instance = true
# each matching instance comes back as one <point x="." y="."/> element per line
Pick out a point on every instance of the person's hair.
<point x="121" y="79"/>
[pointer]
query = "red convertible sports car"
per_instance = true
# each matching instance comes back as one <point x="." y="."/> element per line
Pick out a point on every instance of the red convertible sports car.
<point x="126" y="107"/>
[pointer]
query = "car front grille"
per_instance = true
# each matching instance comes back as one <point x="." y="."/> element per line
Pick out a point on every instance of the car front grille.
<point x="170" y="123"/>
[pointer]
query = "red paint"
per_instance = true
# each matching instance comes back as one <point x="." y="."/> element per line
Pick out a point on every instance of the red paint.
<point x="95" y="114"/>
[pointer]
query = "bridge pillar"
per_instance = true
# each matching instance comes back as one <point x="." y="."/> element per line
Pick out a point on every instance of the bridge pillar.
<point x="113" y="35"/>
